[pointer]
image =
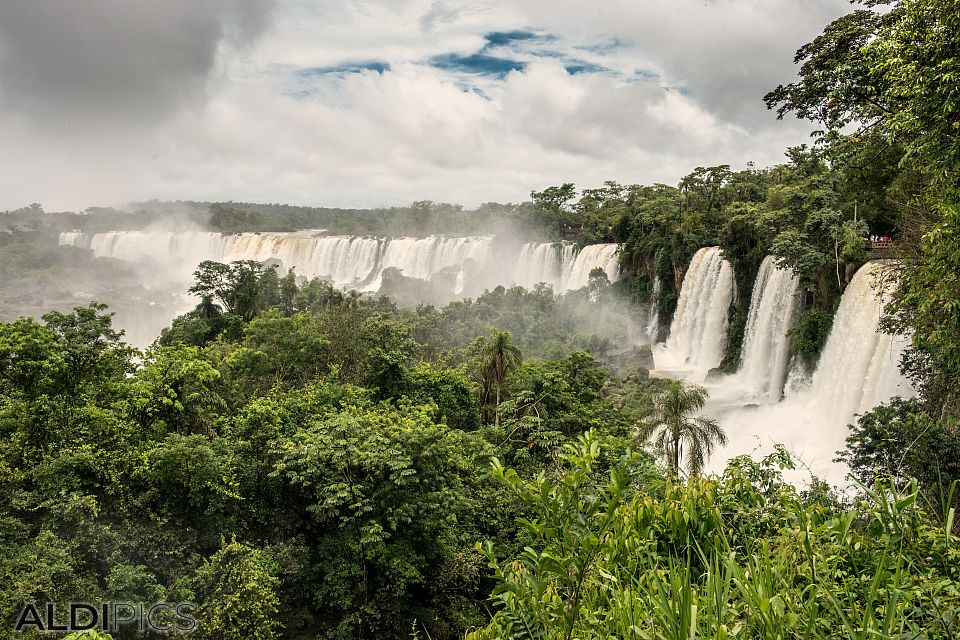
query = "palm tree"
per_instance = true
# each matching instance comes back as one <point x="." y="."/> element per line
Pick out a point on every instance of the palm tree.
<point x="672" y="427"/>
<point x="498" y="358"/>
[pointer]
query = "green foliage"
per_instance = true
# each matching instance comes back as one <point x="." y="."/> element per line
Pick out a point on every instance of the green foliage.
<point x="927" y="303"/>
<point x="280" y="350"/>
<point x="552" y="403"/>
<point x="227" y="219"/>
<point x="30" y="360"/>
<point x="176" y="390"/>
<point x="810" y="334"/>
<point x="243" y="288"/>
<point x="90" y="634"/>
<point x="237" y="588"/>
<point x="498" y="356"/>
<point x="550" y="207"/>
<point x="384" y="485"/>
<point x="898" y="442"/>
<point x="673" y="428"/>
<point x="450" y="389"/>
<point x="341" y="444"/>
<point x="892" y="74"/>
<point x="742" y="555"/>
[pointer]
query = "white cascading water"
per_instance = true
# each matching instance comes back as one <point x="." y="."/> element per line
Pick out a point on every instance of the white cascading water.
<point x="699" y="328"/>
<point x="542" y="262"/>
<point x="653" y="316"/>
<point x="177" y="252"/>
<point x="859" y="366"/>
<point x="424" y="257"/>
<point x="592" y="256"/>
<point x="357" y="262"/>
<point x="858" y="369"/>
<point x="341" y="260"/>
<point x="766" y="345"/>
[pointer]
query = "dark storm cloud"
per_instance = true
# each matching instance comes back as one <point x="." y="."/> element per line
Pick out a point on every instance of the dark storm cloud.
<point x="127" y="59"/>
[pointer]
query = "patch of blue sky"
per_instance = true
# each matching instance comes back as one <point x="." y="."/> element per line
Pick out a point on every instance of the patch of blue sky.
<point x="378" y="66"/>
<point x="548" y="53"/>
<point x="518" y="36"/>
<point x="477" y="64"/>
<point x="579" y="66"/>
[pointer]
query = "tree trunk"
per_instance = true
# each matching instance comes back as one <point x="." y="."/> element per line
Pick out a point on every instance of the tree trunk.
<point x="496" y="418"/>
<point x="676" y="458"/>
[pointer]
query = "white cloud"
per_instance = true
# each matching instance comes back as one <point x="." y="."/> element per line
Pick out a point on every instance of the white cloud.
<point x="467" y="133"/>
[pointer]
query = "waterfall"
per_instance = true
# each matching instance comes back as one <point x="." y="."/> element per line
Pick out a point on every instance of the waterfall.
<point x="561" y="266"/>
<point x="858" y="369"/>
<point x="425" y="257"/>
<point x="653" y="317"/>
<point x="766" y="347"/>
<point x="592" y="256"/>
<point x="859" y="366"/>
<point x="75" y="239"/>
<point x="343" y="261"/>
<point x="177" y="253"/>
<point x="358" y="262"/>
<point x="541" y="262"/>
<point x="699" y="327"/>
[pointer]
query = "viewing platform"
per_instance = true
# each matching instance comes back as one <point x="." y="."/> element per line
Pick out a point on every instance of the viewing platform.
<point x="880" y="248"/>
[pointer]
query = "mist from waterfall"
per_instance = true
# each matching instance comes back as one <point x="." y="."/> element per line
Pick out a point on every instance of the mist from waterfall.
<point x="699" y="327"/>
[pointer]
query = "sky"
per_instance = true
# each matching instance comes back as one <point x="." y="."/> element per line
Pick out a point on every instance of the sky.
<point x="365" y="103"/>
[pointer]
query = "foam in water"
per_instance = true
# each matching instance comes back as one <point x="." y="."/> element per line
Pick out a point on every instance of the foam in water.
<point x="698" y="331"/>
<point x="766" y="345"/>
<point x="858" y="369"/>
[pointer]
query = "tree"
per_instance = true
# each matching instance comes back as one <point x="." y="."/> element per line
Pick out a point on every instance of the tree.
<point x="894" y="74"/>
<point x="94" y="351"/>
<point x="176" y="389"/>
<point x="898" y="442"/>
<point x="551" y="206"/>
<point x="384" y="487"/>
<point x="31" y="362"/>
<point x="672" y="427"/>
<point x="238" y="586"/>
<point x="281" y="350"/>
<point x="243" y="287"/>
<point x="498" y="358"/>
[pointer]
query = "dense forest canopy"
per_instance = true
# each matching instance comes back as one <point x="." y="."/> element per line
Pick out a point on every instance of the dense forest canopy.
<point x="305" y="462"/>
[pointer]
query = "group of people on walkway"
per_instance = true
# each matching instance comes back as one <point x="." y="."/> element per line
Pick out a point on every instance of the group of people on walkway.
<point x="880" y="239"/>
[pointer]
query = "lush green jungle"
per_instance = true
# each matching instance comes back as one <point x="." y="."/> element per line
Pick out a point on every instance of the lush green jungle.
<point x="302" y="462"/>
